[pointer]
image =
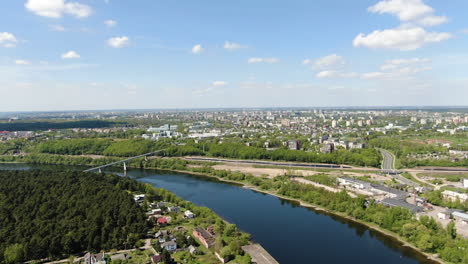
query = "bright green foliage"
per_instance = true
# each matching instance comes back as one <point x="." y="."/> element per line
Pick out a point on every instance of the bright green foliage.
<point x="74" y="146"/>
<point x="55" y="214"/>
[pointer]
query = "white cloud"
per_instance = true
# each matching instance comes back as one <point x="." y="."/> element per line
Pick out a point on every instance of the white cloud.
<point x="118" y="42"/>
<point x="197" y="49"/>
<point x="57" y="8"/>
<point x="430" y="21"/>
<point x="410" y="35"/>
<point x="402" y="38"/>
<point x="405" y="10"/>
<point x="262" y="60"/>
<point x="464" y="31"/>
<point x="233" y="46"/>
<point x="332" y="61"/>
<point x="7" y="40"/>
<point x="71" y="55"/>
<point x="110" y="23"/>
<point x="335" y="74"/>
<point x="399" y="69"/>
<point x="394" y="64"/>
<point x="59" y="28"/>
<point x="22" y="62"/>
<point x="219" y="83"/>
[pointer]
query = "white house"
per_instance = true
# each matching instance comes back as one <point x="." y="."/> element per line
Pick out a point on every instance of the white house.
<point x="188" y="214"/>
<point x="465" y="183"/>
<point x="443" y="215"/>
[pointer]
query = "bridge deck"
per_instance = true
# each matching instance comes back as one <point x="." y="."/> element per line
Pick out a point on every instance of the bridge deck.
<point x="122" y="161"/>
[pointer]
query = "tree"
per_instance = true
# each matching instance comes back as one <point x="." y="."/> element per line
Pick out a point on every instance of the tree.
<point x="452" y="230"/>
<point x="166" y="257"/>
<point x="14" y="253"/>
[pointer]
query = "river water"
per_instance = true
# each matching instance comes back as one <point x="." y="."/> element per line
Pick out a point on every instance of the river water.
<point x="290" y="233"/>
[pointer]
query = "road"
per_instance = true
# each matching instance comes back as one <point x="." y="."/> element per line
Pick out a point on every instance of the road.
<point x="272" y="163"/>
<point x="388" y="162"/>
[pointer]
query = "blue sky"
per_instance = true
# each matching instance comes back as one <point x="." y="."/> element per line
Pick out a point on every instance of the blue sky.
<point x="120" y="54"/>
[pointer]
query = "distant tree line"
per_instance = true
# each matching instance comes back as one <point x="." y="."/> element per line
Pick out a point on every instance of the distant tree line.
<point x="45" y="125"/>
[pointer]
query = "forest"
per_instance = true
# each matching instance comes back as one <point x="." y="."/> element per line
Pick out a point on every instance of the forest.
<point x="133" y="147"/>
<point x="53" y="214"/>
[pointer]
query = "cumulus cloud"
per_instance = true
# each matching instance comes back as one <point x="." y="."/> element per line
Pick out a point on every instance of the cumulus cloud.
<point x="118" y="42"/>
<point x="402" y="38"/>
<point x="405" y="10"/>
<point x="57" y="8"/>
<point x="414" y="15"/>
<point x="430" y="21"/>
<point x="262" y="60"/>
<point x="71" y="55"/>
<point x="22" y="62"/>
<point x="7" y="39"/>
<point x="110" y="23"/>
<point x="197" y="49"/>
<point x="219" y="83"/>
<point x="332" y="61"/>
<point x="233" y="46"/>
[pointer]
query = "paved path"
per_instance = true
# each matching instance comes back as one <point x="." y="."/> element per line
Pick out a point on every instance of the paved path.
<point x="259" y="254"/>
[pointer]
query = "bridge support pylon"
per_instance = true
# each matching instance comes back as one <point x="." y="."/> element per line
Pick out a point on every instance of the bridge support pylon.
<point x="100" y="171"/>
<point x="125" y="166"/>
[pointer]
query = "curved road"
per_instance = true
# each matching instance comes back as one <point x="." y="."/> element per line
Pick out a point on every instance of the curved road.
<point x="388" y="162"/>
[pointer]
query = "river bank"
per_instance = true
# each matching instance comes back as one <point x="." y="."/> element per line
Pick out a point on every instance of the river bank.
<point x="316" y="208"/>
<point x="307" y="205"/>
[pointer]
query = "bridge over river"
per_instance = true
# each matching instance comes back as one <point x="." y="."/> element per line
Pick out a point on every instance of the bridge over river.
<point x="124" y="162"/>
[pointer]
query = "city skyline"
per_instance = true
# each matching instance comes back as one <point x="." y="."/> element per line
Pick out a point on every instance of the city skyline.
<point x="83" y="55"/>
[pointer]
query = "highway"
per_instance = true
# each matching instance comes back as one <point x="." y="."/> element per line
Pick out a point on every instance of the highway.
<point x="257" y="162"/>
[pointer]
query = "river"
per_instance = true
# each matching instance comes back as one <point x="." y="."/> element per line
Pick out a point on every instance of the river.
<point x="290" y="233"/>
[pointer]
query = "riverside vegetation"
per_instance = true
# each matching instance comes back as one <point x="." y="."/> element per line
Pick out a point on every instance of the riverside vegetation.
<point x="425" y="234"/>
<point x="55" y="214"/>
<point x="134" y="147"/>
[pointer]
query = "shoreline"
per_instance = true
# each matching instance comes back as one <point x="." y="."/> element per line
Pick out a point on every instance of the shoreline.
<point x="387" y="233"/>
<point x="315" y="208"/>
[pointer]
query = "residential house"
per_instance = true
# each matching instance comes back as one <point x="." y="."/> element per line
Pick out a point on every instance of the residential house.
<point x="205" y="237"/>
<point x="173" y="209"/>
<point x="192" y="249"/>
<point x="99" y="258"/>
<point x="169" y="245"/>
<point x="188" y="214"/>
<point x="162" y="221"/>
